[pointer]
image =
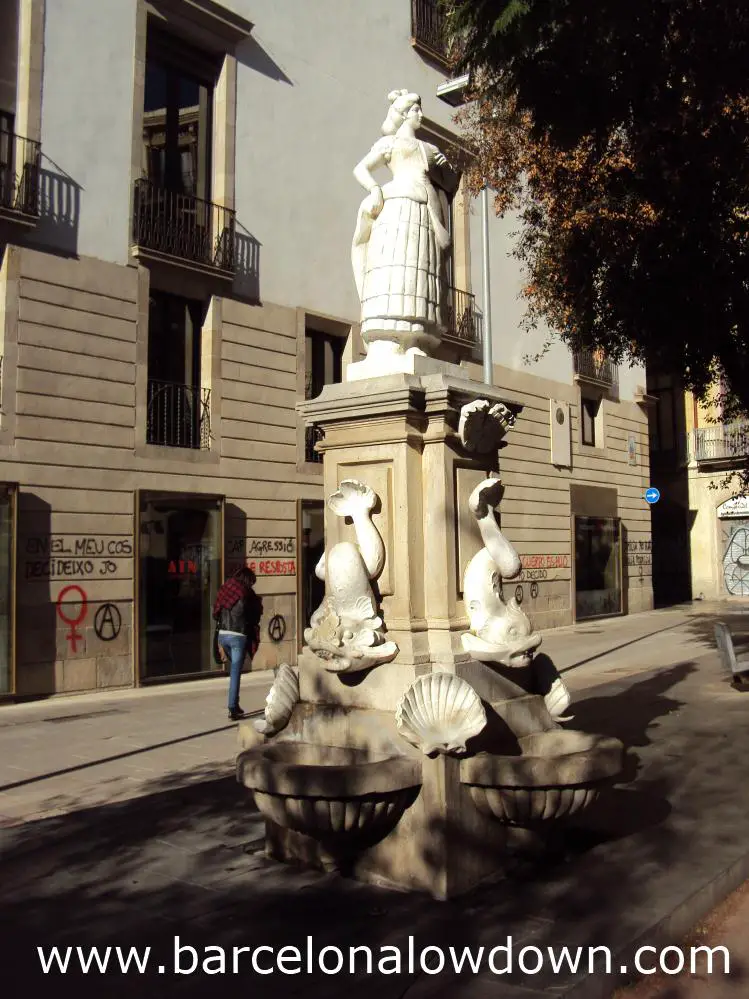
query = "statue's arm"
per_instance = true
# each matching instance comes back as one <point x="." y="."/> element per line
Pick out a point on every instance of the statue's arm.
<point x="377" y="156"/>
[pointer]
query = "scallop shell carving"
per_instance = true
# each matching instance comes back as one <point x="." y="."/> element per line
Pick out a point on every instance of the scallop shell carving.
<point x="440" y="712"/>
<point x="558" y="700"/>
<point x="281" y="699"/>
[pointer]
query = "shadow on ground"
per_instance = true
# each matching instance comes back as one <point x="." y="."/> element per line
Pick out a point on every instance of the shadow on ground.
<point x="185" y="860"/>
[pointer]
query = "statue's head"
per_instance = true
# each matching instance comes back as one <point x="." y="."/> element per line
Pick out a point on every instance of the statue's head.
<point x="513" y="636"/>
<point x="403" y="106"/>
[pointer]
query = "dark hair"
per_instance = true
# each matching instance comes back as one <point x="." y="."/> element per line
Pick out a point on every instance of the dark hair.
<point x="246" y="577"/>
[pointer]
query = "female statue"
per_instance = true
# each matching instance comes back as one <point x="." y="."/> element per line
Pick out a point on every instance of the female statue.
<point x="401" y="236"/>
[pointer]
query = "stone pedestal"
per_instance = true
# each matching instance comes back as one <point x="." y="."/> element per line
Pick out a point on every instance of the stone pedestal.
<point x="399" y="435"/>
<point x="400" y="817"/>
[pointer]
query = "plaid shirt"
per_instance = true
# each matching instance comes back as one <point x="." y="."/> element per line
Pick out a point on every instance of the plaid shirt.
<point x="227" y="596"/>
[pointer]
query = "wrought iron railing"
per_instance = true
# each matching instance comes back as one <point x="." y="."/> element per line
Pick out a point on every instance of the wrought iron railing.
<point x="181" y="226"/>
<point x="463" y="319"/>
<point x="594" y="366"/>
<point x="428" y="27"/>
<point x="20" y="166"/>
<point x="178" y="415"/>
<point x="312" y="435"/>
<point x="720" y="443"/>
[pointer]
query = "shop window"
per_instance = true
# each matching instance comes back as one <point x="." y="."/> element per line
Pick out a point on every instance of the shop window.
<point x="735" y="542"/>
<point x="179" y="571"/>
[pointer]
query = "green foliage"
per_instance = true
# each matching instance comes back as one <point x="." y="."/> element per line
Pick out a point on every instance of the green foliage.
<point x="619" y="132"/>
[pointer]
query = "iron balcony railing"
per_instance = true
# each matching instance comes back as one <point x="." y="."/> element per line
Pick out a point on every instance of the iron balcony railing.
<point x="178" y="415"/>
<point x="428" y="27"/>
<point x="312" y="435"/>
<point x="463" y="320"/>
<point x="594" y="366"/>
<point x="20" y="167"/>
<point x="720" y="443"/>
<point x="184" y="227"/>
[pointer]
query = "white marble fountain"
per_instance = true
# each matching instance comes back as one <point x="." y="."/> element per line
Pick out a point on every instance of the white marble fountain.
<point x="419" y="738"/>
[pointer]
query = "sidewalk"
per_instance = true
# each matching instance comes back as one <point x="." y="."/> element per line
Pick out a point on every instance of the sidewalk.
<point x="124" y="825"/>
<point x="92" y="749"/>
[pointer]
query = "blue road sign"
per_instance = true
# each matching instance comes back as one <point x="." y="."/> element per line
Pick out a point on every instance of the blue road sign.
<point x="652" y="495"/>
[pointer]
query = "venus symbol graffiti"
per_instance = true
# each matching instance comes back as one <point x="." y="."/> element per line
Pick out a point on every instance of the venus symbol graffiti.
<point x="72" y="636"/>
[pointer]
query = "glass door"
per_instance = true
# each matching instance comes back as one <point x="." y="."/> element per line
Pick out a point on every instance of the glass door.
<point x="598" y="572"/>
<point x="180" y="568"/>
<point x="8" y="506"/>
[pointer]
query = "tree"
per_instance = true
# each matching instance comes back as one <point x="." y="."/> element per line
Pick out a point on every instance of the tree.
<point x="619" y="131"/>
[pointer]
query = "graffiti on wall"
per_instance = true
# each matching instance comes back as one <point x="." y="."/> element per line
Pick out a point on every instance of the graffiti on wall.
<point x="74" y="556"/>
<point x="107" y="622"/>
<point x="543" y="567"/>
<point x="639" y="553"/>
<point x="265" y="556"/>
<point x="73" y="618"/>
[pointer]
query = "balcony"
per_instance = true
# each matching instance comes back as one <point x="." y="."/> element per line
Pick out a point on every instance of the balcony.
<point x="593" y="367"/>
<point x="20" y="167"/>
<point x="463" y="319"/>
<point x="178" y="416"/>
<point x="720" y="445"/>
<point x="428" y="34"/>
<point x="183" y="229"/>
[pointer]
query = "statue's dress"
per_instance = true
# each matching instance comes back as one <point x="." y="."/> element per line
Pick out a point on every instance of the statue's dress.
<point x="398" y="257"/>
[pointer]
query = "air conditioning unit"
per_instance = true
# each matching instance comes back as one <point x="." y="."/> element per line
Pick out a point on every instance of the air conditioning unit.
<point x="561" y="439"/>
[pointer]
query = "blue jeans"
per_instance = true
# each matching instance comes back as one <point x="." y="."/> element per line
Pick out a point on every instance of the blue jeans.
<point x="234" y="646"/>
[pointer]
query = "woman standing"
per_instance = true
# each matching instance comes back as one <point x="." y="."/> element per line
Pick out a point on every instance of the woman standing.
<point x="237" y="612"/>
<point x="402" y="236"/>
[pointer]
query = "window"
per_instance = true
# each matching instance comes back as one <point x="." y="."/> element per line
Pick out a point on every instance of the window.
<point x="323" y="365"/>
<point x="178" y="408"/>
<point x="311" y="589"/>
<point x="663" y="417"/>
<point x="589" y="414"/>
<point x="177" y="112"/>
<point x="323" y="361"/>
<point x="173" y="214"/>
<point x="9" y="39"/>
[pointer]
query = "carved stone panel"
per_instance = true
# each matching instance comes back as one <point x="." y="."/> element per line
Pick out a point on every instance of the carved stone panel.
<point x="378" y="476"/>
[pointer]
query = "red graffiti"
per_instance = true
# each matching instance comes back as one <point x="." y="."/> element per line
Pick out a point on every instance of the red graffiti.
<point x="73" y="636"/>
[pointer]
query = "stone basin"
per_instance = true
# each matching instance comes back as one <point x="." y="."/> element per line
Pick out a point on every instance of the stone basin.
<point x="328" y="792"/>
<point x="556" y="774"/>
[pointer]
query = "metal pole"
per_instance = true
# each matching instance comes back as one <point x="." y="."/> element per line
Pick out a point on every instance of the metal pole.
<point x="488" y="360"/>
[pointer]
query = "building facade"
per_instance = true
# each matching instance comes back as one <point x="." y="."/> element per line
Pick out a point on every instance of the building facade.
<point x="703" y="535"/>
<point x="176" y="211"/>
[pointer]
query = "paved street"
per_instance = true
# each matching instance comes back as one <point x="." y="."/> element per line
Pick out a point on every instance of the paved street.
<point x="122" y="825"/>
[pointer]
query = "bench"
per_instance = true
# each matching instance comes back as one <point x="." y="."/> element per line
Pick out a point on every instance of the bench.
<point x="738" y="667"/>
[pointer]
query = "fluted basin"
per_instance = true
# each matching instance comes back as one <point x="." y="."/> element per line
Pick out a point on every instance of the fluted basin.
<point x="329" y="793"/>
<point x="556" y="774"/>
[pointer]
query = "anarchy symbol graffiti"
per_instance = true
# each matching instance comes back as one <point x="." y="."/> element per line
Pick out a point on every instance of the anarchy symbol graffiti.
<point x="107" y="622"/>
<point x="277" y="627"/>
<point x="519" y="594"/>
